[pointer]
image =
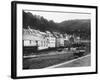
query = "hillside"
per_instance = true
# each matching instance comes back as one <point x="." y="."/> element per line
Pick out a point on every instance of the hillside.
<point x="77" y="27"/>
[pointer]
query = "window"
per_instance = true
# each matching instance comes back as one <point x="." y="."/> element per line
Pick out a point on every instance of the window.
<point x="26" y="43"/>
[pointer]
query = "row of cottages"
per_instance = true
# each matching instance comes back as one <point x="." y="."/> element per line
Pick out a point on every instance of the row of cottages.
<point x="42" y="40"/>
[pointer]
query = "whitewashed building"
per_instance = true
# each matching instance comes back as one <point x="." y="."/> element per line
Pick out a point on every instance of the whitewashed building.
<point x="51" y="39"/>
<point x="33" y="37"/>
<point x="29" y="39"/>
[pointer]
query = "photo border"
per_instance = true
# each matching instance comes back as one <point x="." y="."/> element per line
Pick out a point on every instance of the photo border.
<point x="14" y="38"/>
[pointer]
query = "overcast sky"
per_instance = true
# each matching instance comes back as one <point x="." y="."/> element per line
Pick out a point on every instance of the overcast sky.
<point x="59" y="17"/>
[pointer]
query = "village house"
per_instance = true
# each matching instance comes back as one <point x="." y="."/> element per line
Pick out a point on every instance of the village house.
<point x="33" y="38"/>
<point x="51" y="39"/>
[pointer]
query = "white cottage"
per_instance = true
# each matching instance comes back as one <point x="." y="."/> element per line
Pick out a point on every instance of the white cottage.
<point x="29" y="38"/>
<point x="51" y="39"/>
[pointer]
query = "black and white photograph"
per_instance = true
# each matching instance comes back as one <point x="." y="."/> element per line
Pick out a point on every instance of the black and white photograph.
<point x="55" y="39"/>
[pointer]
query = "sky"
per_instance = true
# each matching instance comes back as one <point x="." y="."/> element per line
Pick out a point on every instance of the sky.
<point x="59" y="17"/>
